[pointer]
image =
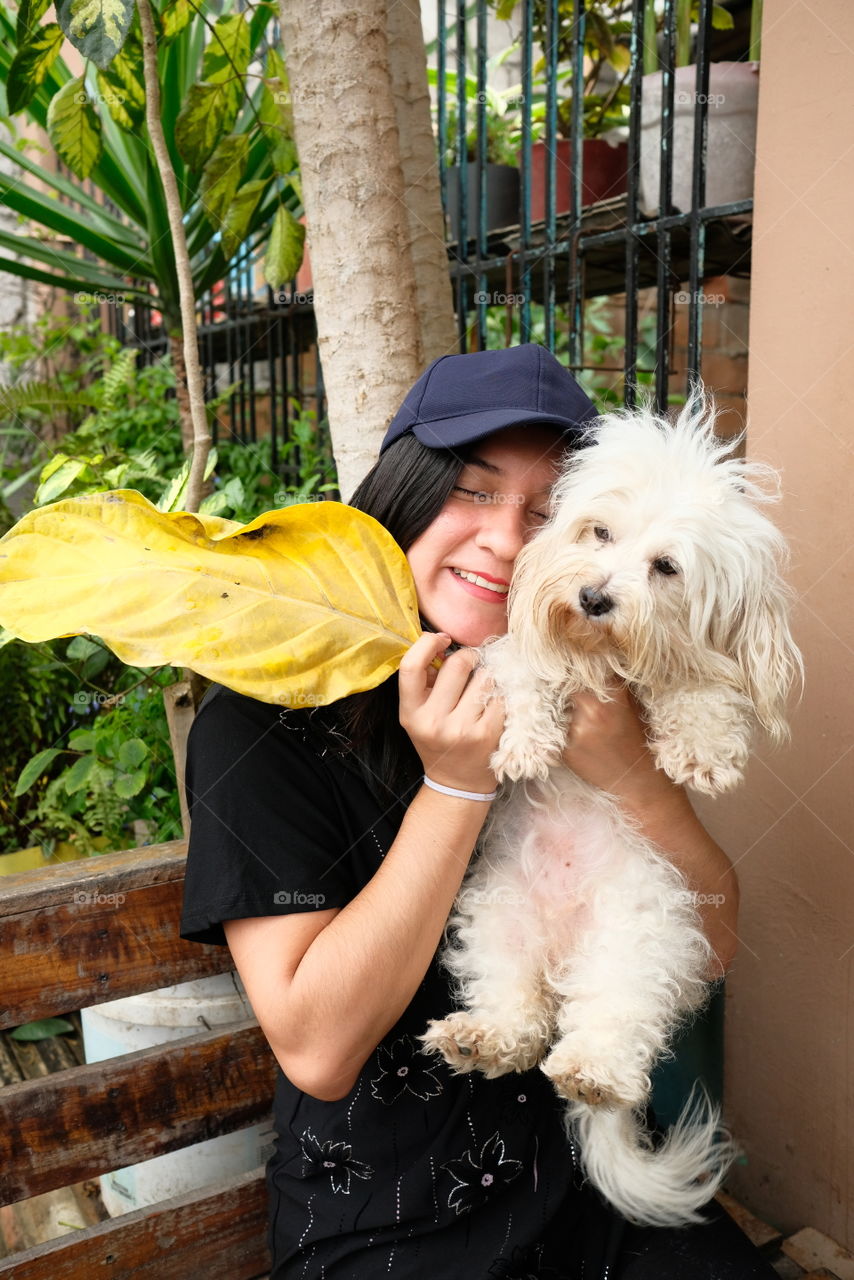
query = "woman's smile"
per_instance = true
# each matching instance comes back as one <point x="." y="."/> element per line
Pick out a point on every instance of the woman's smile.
<point x="463" y="562"/>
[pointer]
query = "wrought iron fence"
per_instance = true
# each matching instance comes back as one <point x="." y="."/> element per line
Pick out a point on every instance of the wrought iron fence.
<point x="595" y="264"/>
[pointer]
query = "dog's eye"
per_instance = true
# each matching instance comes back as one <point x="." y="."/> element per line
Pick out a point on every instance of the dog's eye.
<point x="663" y="565"/>
<point x="603" y="534"/>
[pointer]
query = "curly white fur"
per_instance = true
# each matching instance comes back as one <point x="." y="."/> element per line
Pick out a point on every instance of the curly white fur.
<point x="574" y="943"/>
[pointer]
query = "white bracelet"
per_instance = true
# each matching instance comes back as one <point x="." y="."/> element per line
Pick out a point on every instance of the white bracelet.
<point x="461" y="795"/>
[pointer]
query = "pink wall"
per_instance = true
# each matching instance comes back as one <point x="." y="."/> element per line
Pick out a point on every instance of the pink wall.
<point x="790" y="1020"/>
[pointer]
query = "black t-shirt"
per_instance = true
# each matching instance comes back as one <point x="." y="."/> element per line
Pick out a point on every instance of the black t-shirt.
<point x="418" y="1172"/>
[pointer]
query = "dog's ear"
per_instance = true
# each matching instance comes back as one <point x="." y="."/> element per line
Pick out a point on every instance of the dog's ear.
<point x="768" y="659"/>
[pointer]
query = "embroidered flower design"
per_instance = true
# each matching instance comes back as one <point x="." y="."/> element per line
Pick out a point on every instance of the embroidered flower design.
<point x="477" y="1179"/>
<point x="334" y="1159"/>
<point x="403" y="1069"/>
<point x="523" y="1264"/>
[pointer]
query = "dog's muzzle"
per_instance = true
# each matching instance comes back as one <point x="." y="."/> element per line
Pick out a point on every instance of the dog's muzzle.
<point x="595" y="602"/>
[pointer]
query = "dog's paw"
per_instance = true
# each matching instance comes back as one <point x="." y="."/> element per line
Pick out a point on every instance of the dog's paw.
<point x="693" y="768"/>
<point x="510" y="763"/>
<point x="596" y="1085"/>
<point x="469" y="1044"/>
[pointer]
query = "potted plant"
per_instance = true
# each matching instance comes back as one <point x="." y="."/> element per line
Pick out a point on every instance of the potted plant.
<point x="502" y="173"/>
<point x="732" y="102"/>
<point x="605" y="103"/>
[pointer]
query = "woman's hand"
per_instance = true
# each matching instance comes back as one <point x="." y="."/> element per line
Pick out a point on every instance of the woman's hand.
<point x="607" y="746"/>
<point x="452" y="715"/>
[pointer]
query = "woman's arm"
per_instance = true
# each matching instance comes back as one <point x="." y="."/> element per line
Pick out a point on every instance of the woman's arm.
<point x="326" y="991"/>
<point x="607" y="747"/>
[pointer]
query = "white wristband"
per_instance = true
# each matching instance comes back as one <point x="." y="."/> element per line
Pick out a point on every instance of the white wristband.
<point x="461" y="795"/>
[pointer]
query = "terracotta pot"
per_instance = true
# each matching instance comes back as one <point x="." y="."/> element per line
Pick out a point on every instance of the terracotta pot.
<point x="502" y="198"/>
<point x="603" y="174"/>
<point x="731" y="147"/>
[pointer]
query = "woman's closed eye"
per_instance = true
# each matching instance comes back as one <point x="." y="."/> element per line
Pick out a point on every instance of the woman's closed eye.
<point x="480" y="495"/>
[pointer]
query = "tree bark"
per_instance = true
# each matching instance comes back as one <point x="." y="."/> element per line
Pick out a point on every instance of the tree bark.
<point x="368" y="298"/>
<point x="422" y="193"/>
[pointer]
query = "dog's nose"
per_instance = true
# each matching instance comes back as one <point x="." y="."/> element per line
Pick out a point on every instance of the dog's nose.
<point x="594" y="603"/>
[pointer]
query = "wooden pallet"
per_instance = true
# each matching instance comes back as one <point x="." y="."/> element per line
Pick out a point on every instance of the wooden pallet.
<point x="805" y="1255"/>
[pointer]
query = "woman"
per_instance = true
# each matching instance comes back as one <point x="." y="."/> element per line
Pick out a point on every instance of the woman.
<point x="327" y="848"/>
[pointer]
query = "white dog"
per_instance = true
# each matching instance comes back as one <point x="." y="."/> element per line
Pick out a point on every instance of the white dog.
<point x="575" y="943"/>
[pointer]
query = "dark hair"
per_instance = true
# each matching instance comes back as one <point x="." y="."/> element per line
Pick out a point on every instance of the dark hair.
<point x="405" y="491"/>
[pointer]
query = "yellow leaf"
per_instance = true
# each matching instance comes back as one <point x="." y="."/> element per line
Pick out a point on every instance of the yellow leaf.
<point x="302" y="606"/>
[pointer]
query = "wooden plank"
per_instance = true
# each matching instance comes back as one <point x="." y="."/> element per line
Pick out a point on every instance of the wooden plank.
<point x="814" y="1251"/>
<point x="75" y="1124"/>
<point x="758" y="1232"/>
<point x="108" y="873"/>
<point x="215" y="1231"/>
<point x="79" y="934"/>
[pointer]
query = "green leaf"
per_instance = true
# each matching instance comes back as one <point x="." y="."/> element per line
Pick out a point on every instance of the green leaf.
<point x="222" y="174"/>
<point x="34" y="769"/>
<point x="122" y="86"/>
<point x="175" y="490"/>
<point x="82" y="740"/>
<point x="277" y="125"/>
<point x="30" y="13"/>
<point x="63" y="476"/>
<point x="119" y="376"/>
<point x="285" y="250"/>
<point x="722" y="19"/>
<point x="207" y="113"/>
<point x="96" y="28"/>
<point x="41" y="1030"/>
<point x="132" y="752"/>
<point x="81" y="648"/>
<point x="226" y="57"/>
<point x="236" y="225"/>
<point x="74" y="128"/>
<point x="231" y="496"/>
<point x="76" y="776"/>
<point x="129" y="784"/>
<point x="174" y="18"/>
<point x="30" y="65"/>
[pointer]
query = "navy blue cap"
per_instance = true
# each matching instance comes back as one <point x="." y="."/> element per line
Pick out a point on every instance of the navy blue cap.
<point x="459" y="399"/>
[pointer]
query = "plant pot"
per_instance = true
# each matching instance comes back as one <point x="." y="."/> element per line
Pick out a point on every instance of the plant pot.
<point x="731" y="147"/>
<point x="502" y="198"/>
<point x="137" y="1022"/>
<point x="603" y="174"/>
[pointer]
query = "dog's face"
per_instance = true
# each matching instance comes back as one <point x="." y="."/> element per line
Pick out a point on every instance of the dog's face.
<point x="657" y="564"/>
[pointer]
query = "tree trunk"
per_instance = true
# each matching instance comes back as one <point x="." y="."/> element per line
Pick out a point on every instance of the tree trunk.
<point x="422" y="194"/>
<point x="369" y="299"/>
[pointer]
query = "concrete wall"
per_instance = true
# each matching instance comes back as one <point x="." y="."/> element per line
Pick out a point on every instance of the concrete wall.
<point x="790" y="1018"/>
